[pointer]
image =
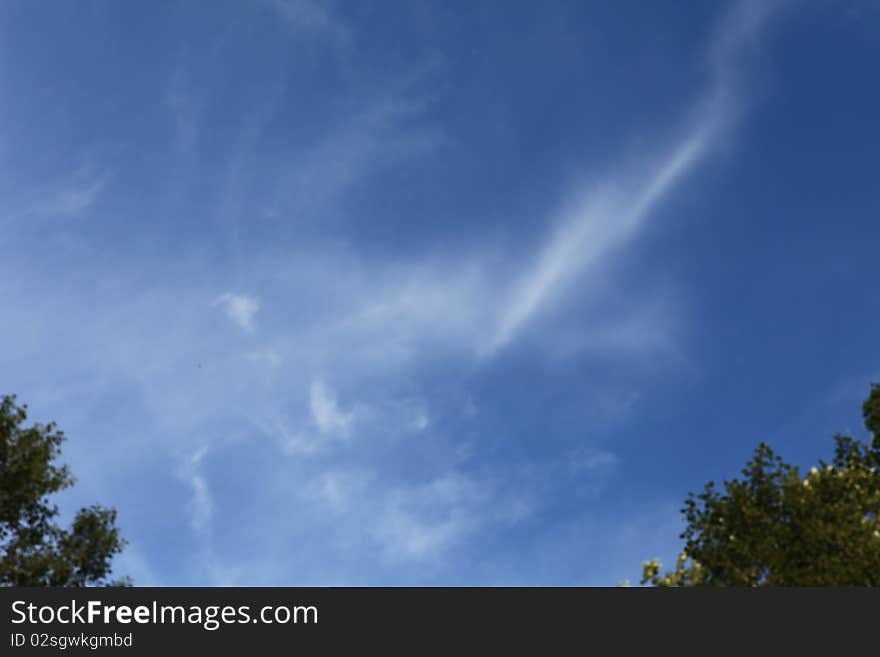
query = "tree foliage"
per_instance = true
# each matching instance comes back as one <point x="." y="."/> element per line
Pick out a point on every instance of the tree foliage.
<point x="775" y="527"/>
<point x="34" y="550"/>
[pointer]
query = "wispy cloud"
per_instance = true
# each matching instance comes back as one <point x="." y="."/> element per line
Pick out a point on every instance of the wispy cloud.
<point x="328" y="417"/>
<point x="72" y="196"/>
<point x="594" y="224"/>
<point x="265" y="359"/>
<point x="422" y="521"/>
<point x="307" y="14"/>
<point x="77" y="198"/>
<point x="201" y="504"/>
<point x="357" y="147"/>
<point x="592" y="460"/>
<point x="418" y="521"/>
<point x="240" y="308"/>
<point x="185" y="108"/>
<point x="312" y="16"/>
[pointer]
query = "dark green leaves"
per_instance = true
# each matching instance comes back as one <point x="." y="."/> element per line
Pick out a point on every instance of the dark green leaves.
<point x="35" y="550"/>
<point x="775" y="527"/>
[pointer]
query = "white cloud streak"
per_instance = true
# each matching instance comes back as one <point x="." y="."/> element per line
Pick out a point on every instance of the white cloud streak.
<point x="610" y="214"/>
<point x="201" y="503"/>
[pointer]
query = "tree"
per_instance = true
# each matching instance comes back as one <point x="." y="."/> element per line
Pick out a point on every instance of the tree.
<point x="34" y="550"/>
<point x="773" y="527"/>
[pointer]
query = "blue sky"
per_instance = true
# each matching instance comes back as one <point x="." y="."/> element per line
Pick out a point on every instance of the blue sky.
<point x="335" y="293"/>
